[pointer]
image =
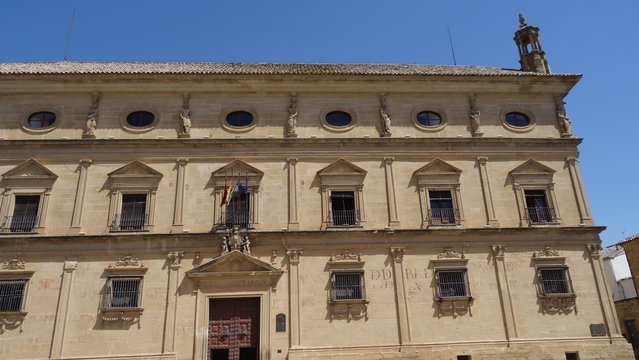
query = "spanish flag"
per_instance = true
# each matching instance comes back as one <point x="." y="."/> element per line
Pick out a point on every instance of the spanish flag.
<point x="227" y="191"/>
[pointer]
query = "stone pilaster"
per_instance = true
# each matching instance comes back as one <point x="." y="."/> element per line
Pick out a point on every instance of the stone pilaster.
<point x="76" y="219"/>
<point x="179" y="197"/>
<point x="580" y="194"/>
<point x="491" y="218"/>
<point x="175" y="260"/>
<point x="508" y="311"/>
<point x="294" y="295"/>
<point x="293" y="224"/>
<point x="393" y="220"/>
<point x="397" y="254"/>
<point x="61" y="316"/>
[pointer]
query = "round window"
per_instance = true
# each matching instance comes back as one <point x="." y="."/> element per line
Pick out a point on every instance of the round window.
<point x="338" y="118"/>
<point x="517" y="119"/>
<point x="429" y="118"/>
<point x="140" y="118"/>
<point x="41" y="119"/>
<point x="239" y="118"/>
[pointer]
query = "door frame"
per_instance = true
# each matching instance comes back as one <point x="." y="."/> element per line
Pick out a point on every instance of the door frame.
<point x="200" y="348"/>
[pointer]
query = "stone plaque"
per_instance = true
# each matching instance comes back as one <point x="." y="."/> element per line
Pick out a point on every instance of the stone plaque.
<point x="597" y="329"/>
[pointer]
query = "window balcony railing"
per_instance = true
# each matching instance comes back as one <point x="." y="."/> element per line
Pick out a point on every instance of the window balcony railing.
<point x="541" y="215"/>
<point x="241" y="219"/>
<point x="344" y="218"/>
<point x="16" y="224"/>
<point x="444" y="216"/>
<point x="129" y="222"/>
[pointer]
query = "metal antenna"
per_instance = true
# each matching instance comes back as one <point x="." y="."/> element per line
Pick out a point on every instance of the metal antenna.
<point x="452" y="48"/>
<point x="66" y="48"/>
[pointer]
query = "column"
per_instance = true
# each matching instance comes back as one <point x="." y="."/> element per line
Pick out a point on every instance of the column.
<point x="491" y="218"/>
<point x="507" y="309"/>
<point x="178" y="208"/>
<point x="61" y="315"/>
<point x="400" y="294"/>
<point x="605" y="297"/>
<point x="42" y="211"/>
<point x="390" y="192"/>
<point x="294" y="295"/>
<point x="175" y="259"/>
<point x="580" y="194"/>
<point x="292" y="195"/>
<point x="76" y="219"/>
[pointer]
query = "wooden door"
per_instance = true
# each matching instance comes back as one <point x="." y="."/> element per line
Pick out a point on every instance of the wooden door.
<point x="234" y="325"/>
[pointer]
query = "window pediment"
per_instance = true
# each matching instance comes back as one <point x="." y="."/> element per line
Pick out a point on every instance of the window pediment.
<point x="134" y="173"/>
<point x="222" y="175"/>
<point x="235" y="264"/>
<point x="342" y="172"/>
<point x="532" y="172"/>
<point x="29" y="173"/>
<point x="437" y="172"/>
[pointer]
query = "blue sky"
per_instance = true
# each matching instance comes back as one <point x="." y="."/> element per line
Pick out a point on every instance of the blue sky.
<point x="598" y="39"/>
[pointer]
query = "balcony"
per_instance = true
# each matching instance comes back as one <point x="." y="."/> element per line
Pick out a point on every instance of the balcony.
<point x="129" y="222"/>
<point x="19" y="224"/>
<point x="541" y="215"/>
<point x="444" y="216"/>
<point x="241" y="219"/>
<point x="343" y="218"/>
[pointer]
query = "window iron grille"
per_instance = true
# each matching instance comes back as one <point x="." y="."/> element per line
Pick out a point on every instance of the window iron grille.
<point x="12" y="295"/>
<point x="344" y="218"/>
<point x="23" y="223"/>
<point x="347" y="286"/>
<point x="444" y="216"/>
<point x="541" y="215"/>
<point x="129" y="222"/>
<point x="452" y="284"/>
<point x="122" y="293"/>
<point x="555" y="281"/>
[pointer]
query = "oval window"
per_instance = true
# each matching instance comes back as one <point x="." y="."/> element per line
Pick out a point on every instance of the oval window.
<point x="517" y="119"/>
<point x="140" y="118"/>
<point x="338" y="118"/>
<point x="239" y="118"/>
<point x="41" y="119"/>
<point x="429" y="118"/>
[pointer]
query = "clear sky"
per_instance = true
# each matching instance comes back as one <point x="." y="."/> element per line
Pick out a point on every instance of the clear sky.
<point x="595" y="38"/>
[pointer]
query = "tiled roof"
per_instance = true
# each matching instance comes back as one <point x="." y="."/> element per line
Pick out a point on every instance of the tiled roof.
<point x="254" y="69"/>
<point x="629" y="238"/>
<point x="612" y="251"/>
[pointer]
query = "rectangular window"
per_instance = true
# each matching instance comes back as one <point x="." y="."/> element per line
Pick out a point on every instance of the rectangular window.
<point x="572" y="356"/>
<point x="463" y="357"/>
<point x="555" y="281"/>
<point x="343" y="209"/>
<point x="122" y="292"/>
<point x="133" y="215"/>
<point x="238" y="211"/>
<point x="537" y="207"/>
<point x="12" y="295"/>
<point x="452" y="283"/>
<point x="25" y="213"/>
<point x="442" y="211"/>
<point x="348" y="286"/>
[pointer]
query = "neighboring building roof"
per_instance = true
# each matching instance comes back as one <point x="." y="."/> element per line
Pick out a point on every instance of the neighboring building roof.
<point x="629" y="238"/>
<point x="612" y="251"/>
<point x="255" y="69"/>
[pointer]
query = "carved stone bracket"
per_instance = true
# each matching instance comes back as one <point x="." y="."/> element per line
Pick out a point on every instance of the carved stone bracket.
<point x="558" y="304"/>
<point x="349" y="310"/>
<point x="449" y="253"/>
<point x="14" y="264"/>
<point x="498" y="251"/>
<point x="294" y="255"/>
<point x="454" y="306"/>
<point x="398" y="253"/>
<point x="175" y="257"/>
<point x="132" y="316"/>
<point x="10" y="321"/>
<point x="273" y="257"/>
<point x="594" y="250"/>
<point x="345" y="255"/>
<point x="546" y="251"/>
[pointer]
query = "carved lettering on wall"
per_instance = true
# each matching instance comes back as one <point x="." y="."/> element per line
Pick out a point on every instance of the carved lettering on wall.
<point x="127" y="261"/>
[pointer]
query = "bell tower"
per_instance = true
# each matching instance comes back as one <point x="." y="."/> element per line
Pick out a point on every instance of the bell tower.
<point x="531" y="56"/>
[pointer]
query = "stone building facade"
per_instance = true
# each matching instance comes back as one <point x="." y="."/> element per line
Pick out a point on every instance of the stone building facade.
<point x="379" y="211"/>
<point x="627" y="305"/>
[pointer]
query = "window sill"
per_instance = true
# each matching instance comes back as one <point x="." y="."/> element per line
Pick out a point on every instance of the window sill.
<point x="361" y="301"/>
<point x="9" y="233"/>
<point x="454" y="298"/>
<point x="543" y="224"/>
<point x="117" y="310"/>
<point x="13" y="313"/>
<point x="130" y="231"/>
<point x="556" y="296"/>
<point x="340" y="227"/>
